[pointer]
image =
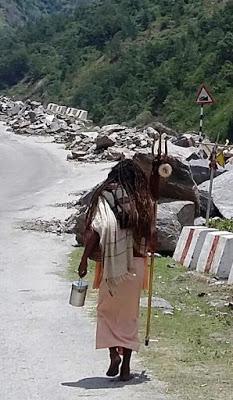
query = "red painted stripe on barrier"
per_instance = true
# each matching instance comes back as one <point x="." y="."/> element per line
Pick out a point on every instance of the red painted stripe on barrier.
<point x="211" y="254"/>
<point x="187" y="245"/>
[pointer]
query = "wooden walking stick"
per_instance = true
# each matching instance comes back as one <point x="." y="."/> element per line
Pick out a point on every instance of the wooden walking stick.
<point x="160" y="168"/>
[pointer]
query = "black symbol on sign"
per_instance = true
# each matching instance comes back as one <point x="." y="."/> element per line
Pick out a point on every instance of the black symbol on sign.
<point x="204" y="98"/>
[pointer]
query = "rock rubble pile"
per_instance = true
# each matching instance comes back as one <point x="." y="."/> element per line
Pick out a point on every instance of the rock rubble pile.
<point x="181" y="198"/>
<point x="86" y="142"/>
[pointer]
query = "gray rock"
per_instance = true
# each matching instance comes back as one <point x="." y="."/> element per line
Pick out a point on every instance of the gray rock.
<point x="32" y="116"/>
<point x="143" y="143"/>
<point x="172" y="216"/>
<point x="103" y="142"/>
<point x="29" y="131"/>
<point x="182" y="153"/>
<point x="24" y="124"/>
<point x="49" y="118"/>
<point x="37" y="126"/>
<point x="201" y="171"/>
<point x="78" y="155"/>
<point x="158" y="126"/>
<point x="185" y="140"/>
<point x="118" y="153"/>
<point x="90" y="135"/>
<point x="57" y="126"/>
<point x="34" y="104"/>
<point x="76" y="142"/>
<point x="203" y="195"/>
<point x="15" y="109"/>
<point x="157" y="302"/>
<point x="222" y="193"/>
<point x="151" y="132"/>
<point x="132" y="146"/>
<point x="200" y="221"/>
<point x="112" y="128"/>
<point x="229" y="164"/>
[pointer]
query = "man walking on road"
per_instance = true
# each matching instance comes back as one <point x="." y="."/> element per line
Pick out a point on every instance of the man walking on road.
<point x="118" y="236"/>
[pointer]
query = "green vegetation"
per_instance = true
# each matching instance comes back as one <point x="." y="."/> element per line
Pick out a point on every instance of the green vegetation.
<point x="191" y="350"/>
<point x="127" y="60"/>
<point x="18" y="11"/>
<point x="222" y="224"/>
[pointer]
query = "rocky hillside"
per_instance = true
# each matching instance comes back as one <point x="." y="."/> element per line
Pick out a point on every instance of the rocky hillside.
<point x="129" y="61"/>
<point x="20" y="11"/>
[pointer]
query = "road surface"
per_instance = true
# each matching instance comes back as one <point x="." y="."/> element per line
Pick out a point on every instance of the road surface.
<point x="46" y="346"/>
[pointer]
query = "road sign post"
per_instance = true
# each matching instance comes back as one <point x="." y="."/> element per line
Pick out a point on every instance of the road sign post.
<point x="203" y="97"/>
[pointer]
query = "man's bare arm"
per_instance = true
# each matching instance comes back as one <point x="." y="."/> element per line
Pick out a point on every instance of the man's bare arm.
<point x="91" y="243"/>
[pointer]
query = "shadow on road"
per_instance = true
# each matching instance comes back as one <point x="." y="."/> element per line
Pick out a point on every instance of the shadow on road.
<point x="106" y="383"/>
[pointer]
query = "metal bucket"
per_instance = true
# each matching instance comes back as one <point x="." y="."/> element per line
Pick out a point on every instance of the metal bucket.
<point x="78" y="293"/>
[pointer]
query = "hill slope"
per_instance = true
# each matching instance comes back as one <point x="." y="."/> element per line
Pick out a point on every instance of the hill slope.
<point x="19" y="11"/>
<point x="124" y="58"/>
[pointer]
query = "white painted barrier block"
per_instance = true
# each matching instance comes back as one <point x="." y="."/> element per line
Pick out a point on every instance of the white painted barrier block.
<point x="52" y="107"/>
<point x="181" y="243"/>
<point x="194" y="250"/>
<point x="208" y="250"/>
<point x="230" y="279"/>
<point x="83" y="115"/>
<point x="59" y="109"/>
<point x="223" y="257"/>
<point x="72" y="112"/>
<point x="63" y="109"/>
<point x="184" y="242"/>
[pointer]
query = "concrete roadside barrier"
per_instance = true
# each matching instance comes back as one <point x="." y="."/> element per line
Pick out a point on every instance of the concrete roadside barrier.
<point x="195" y="248"/>
<point x="52" y="107"/>
<point x="186" y="244"/>
<point x="230" y="279"/>
<point x="70" y="111"/>
<point x="62" y="110"/>
<point x="209" y="249"/>
<point x="83" y="115"/>
<point x="223" y="257"/>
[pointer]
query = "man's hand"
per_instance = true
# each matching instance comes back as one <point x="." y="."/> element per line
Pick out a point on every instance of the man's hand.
<point x="82" y="269"/>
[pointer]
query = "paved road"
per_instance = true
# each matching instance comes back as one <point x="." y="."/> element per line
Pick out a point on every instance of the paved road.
<point x="46" y="346"/>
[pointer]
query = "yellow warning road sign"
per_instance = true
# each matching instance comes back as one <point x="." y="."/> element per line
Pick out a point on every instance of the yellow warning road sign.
<point x="220" y="159"/>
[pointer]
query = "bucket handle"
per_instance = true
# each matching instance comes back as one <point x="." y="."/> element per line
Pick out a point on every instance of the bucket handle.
<point x="79" y="283"/>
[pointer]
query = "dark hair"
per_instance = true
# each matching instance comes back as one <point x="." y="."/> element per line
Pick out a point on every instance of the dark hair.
<point x="132" y="179"/>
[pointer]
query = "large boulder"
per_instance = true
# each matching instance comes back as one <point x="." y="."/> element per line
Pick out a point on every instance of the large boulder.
<point x="158" y="126"/>
<point x="179" y="186"/>
<point x="204" y="196"/>
<point x="103" y="142"/>
<point x="183" y="153"/>
<point x="222" y="193"/>
<point x="108" y="129"/>
<point x="185" y="140"/>
<point x="229" y="164"/>
<point x="172" y="216"/>
<point x="201" y="170"/>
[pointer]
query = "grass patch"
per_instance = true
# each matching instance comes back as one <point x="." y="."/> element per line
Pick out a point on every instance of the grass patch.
<point x="191" y="350"/>
<point x="222" y="224"/>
